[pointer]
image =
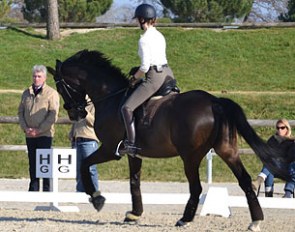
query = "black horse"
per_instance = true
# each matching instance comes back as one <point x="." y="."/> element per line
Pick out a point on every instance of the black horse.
<point x="187" y="124"/>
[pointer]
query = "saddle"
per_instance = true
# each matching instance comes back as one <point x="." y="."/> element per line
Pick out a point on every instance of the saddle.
<point x="145" y="113"/>
<point x="168" y="87"/>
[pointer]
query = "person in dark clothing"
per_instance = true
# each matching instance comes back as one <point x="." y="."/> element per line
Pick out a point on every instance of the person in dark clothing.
<point x="281" y="139"/>
<point x="37" y="112"/>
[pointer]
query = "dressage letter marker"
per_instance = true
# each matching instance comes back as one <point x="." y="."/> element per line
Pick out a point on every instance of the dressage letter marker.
<point x="60" y="163"/>
<point x="54" y="164"/>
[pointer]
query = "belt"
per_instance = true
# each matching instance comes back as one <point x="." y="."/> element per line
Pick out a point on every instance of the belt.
<point x="80" y="139"/>
<point x="159" y="66"/>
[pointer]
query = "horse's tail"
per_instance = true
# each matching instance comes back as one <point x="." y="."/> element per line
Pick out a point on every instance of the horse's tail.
<point x="233" y="116"/>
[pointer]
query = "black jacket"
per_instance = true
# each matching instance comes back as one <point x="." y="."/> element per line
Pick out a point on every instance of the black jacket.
<point x="287" y="145"/>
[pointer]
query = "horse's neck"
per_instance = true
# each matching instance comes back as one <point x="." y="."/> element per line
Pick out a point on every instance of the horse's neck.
<point x="108" y="117"/>
<point x="108" y="102"/>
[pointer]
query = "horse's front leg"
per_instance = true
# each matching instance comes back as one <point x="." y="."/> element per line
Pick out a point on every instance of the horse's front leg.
<point x="137" y="207"/>
<point x="99" y="156"/>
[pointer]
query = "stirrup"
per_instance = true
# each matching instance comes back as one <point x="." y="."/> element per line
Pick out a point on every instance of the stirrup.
<point x="124" y="148"/>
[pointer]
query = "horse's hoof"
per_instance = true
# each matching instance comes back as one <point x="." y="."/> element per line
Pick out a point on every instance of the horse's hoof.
<point x="131" y="217"/>
<point x="181" y="223"/>
<point x="254" y="226"/>
<point x="97" y="202"/>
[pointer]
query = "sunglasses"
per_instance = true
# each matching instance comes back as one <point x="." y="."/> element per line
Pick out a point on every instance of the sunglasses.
<point x="281" y="127"/>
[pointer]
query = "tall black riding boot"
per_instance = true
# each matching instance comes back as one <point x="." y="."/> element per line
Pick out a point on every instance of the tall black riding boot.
<point x="128" y="145"/>
<point x="129" y="125"/>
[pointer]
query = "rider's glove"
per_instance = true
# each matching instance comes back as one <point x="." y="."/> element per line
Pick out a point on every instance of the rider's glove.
<point x="132" y="81"/>
<point x="133" y="71"/>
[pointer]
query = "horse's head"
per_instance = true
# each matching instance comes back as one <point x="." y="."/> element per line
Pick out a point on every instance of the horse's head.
<point x="86" y="72"/>
<point x="69" y="87"/>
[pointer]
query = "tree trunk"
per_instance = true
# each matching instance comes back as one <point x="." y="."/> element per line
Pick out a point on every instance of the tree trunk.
<point x="52" y="20"/>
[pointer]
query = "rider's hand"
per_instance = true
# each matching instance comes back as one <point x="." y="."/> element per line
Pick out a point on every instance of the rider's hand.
<point x="133" y="71"/>
<point x="133" y="81"/>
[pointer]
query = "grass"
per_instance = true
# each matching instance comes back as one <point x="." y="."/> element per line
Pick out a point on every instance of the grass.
<point x="201" y="58"/>
<point x="227" y="63"/>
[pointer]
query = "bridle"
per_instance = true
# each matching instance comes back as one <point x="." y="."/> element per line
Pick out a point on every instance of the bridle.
<point x="67" y="92"/>
<point x="70" y="102"/>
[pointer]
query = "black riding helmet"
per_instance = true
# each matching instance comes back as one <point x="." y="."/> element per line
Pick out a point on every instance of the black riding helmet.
<point x="145" y="11"/>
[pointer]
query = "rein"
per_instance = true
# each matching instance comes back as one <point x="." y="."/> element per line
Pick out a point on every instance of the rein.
<point x="78" y="105"/>
<point x="109" y="95"/>
<point x="67" y="87"/>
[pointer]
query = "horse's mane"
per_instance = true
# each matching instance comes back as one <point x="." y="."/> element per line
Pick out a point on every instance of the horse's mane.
<point x="97" y="60"/>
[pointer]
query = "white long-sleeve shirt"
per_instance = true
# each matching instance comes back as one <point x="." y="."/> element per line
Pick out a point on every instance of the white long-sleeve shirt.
<point x="151" y="49"/>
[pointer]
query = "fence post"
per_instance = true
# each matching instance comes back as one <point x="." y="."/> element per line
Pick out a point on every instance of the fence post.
<point x="209" y="157"/>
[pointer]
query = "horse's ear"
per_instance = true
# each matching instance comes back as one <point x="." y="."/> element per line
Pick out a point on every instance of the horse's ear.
<point x="58" y="65"/>
<point x="51" y="70"/>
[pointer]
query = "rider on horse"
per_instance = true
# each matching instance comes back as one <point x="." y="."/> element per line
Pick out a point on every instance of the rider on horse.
<point x="152" y="52"/>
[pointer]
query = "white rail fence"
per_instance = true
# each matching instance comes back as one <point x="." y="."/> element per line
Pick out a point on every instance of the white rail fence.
<point x="75" y="25"/>
<point x="216" y="201"/>
<point x="209" y="156"/>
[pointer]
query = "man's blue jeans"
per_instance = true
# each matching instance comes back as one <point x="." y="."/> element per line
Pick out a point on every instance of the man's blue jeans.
<point x="85" y="149"/>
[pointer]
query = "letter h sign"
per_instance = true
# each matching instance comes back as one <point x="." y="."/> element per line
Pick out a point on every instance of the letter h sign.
<point x="60" y="163"/>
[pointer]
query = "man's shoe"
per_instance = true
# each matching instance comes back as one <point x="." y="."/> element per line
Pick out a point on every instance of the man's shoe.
<point x="269" y="194"/>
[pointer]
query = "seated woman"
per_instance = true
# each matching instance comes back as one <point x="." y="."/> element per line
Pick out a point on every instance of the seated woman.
<point x="282" y="138"/>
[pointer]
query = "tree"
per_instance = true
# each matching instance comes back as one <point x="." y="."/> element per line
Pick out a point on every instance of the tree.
<point x="208" y="10"/>
<point x="290" y="15"/>
<point x="4" y="8"/>
<point x="69" y="10"/>
<point x="52" y="20"/>
<point x="35" y="11"/>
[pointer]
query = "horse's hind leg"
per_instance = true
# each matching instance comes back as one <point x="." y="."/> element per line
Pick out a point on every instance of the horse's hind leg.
<point x="191" y="167"/>
<point x="229" y="153"/>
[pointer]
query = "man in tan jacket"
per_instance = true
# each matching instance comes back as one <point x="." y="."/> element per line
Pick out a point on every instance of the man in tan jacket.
<point x="37" y="112"/>
<point x="84" y="140"/>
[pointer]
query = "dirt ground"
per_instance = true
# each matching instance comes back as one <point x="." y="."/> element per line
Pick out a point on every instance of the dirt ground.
<point x="152" y="220"/>
<point x="17" y="216"/>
